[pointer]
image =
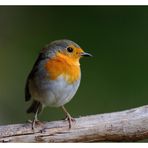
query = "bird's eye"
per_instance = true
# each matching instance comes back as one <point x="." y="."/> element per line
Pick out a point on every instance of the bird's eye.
<point x="70" y="49"/>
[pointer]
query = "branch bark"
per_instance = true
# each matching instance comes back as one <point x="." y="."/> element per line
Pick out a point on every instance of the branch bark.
<point x="129" y="125"/>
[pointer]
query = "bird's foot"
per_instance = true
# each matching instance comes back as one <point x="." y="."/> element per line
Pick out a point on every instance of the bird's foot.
<point x="34" y="123"/>
<point x="70" y="120"/>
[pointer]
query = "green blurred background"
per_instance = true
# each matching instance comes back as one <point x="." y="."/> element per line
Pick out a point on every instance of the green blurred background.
<point x="115" y="79"/>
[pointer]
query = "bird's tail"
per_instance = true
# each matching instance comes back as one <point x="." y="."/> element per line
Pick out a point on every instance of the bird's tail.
<point x="34" y="107"/>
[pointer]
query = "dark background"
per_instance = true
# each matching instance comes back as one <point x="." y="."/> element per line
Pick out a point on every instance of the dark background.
<point x="115" y="79"/>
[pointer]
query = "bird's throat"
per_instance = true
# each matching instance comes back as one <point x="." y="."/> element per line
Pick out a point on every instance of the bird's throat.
<point x="62" y="65"/>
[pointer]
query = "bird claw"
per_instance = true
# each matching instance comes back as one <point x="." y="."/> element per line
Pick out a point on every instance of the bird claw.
<point x="30" y="121"/>
<point x="34" y="122"/>
<point x="70" y="120"/>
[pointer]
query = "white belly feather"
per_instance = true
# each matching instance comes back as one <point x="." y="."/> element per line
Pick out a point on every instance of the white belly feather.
<point x="55" y="93"/>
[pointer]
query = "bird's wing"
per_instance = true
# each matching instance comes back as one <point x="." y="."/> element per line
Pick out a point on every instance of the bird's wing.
<point x="27" y="92"/>
<point x="31" y="75"/>
<point x="29" y="78"/>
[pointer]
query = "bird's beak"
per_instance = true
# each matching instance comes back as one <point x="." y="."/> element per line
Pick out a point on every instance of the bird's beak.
<point x="85" y="54"/>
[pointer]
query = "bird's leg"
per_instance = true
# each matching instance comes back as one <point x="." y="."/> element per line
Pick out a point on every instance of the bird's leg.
<point x="68" y="116"/>
<point x="35" y="119"/>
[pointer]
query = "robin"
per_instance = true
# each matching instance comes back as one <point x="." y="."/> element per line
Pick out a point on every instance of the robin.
<point x="55" y="77"/>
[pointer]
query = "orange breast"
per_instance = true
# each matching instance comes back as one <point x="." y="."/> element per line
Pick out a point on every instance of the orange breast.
<point x="63" y="65"/>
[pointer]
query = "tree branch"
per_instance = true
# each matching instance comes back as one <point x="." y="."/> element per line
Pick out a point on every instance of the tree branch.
<point x="129" y="125"/>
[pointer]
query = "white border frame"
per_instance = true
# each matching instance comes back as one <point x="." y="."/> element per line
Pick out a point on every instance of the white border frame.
<point x="73" y="2"/>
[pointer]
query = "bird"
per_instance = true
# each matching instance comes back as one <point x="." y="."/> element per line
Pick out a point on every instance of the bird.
<point x="54" y="78"/>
